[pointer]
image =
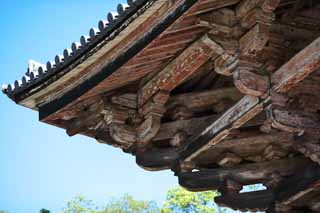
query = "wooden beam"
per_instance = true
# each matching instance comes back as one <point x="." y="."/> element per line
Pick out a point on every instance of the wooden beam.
<point x="156" y="159"/>
<point x="88" y="118"/>
<point x="250" y="146"/>
<point x="251" y="45"/>
<point x="295" y="121"/>
<point x="297" y="68"/>
<point x="245" y="6"/>
<point x="247" y="108"/>
<point x="127" y="100"/>
<point x="310" y="150"/>
<point x="250" y="83"/>
<point x="179" y="69"/>
<point x="247" y="201"/>
<point x="198" y="101"/>
<point x="293" y="32"/>
<point x="190" y="126"/>
<point x="245" y="145"/>
<point x="245" y="174"/>
<point x="206" y="6"/>
<point x="299" y="190"/>
<point x="194" y="101"/>
<point x="103" y="136"/>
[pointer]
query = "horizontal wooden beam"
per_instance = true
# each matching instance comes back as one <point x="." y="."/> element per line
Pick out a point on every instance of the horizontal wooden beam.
<point x="197" y="101"/>
<point x="247" y="201"/>
<point x="190" y="126"/>
<point x="194" y="101"/>
<point x="244" y="145"/>
<point x="156" y="159"/>
<point x="246" y="174"/>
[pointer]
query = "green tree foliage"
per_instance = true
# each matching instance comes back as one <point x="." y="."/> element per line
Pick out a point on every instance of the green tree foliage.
<point x="178" y="200"/>
<point x="124" y="204"/>
<point x="80" y="204"/>
<point x="181" y="200"/>
<point x="127" y="204"/>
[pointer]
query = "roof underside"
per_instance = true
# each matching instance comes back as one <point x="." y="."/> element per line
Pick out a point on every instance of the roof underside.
<point x="222" y="92"/>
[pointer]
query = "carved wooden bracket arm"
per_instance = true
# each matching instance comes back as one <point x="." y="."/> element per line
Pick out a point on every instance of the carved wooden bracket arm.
<point x="156" y="92"/>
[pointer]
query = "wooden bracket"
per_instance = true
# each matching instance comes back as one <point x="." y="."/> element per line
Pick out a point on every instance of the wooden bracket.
<point x="89" y="118"/>
<point x="152" y="112"/>
<point x="148" y="129"/>
<point x="248" y="82"/>
<point x="294" y="121"/>
<point x="256" y="15"/>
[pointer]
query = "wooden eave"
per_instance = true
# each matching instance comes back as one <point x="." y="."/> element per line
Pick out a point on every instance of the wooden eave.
<point x="137" y="58"/>
<point x="222" y="92"/>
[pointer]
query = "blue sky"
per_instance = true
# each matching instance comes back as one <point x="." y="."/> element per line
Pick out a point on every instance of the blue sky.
<point x="40" y="166"/>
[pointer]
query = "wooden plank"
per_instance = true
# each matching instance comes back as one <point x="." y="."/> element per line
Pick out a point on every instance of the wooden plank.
<point x="179" y="69"/>
<point x="297" y="68"/>
<point x="244" y="110"/>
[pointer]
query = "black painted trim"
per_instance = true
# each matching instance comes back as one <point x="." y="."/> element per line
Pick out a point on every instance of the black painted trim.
<point x="123" y="58"/>
<point x="18" y="95"/>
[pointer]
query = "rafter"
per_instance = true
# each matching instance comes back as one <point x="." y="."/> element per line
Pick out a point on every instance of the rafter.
<point x="297" y="68"/>
<point x="247" y="108"/>
<point x="179" y="69"/>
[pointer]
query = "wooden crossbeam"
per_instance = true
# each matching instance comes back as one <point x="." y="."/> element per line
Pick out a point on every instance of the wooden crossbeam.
<point x="244" y="145"/>
<point x="197" y="101"/>
<point x="247" y="108"/>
